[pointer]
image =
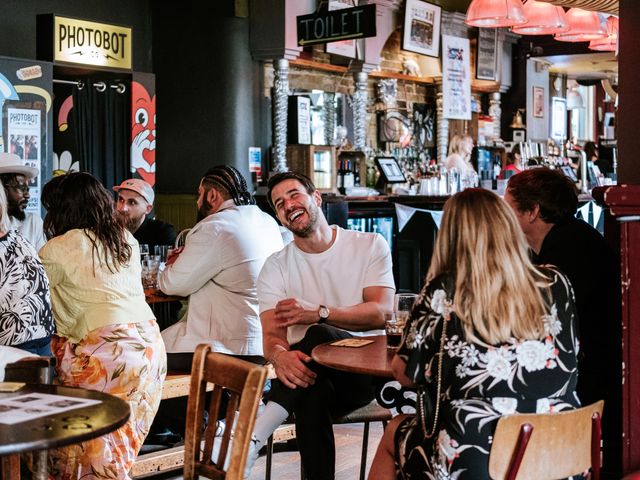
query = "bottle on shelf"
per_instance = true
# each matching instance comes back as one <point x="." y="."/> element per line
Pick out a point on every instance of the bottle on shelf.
<point x="348" y="177"/>
<point x="340" y="177"/>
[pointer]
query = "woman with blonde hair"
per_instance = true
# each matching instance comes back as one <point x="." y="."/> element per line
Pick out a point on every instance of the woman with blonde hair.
<point x="509" y="344"/>
<point x="460" y="149"/>
<point x="107" y="338"/>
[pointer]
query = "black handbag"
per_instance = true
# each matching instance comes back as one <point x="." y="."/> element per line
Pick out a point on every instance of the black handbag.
<point x="426" y="411"/>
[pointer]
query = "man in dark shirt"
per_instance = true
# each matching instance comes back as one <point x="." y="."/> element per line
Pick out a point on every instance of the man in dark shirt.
<point x="545" y="203"/>
<point x="134" y="203"/>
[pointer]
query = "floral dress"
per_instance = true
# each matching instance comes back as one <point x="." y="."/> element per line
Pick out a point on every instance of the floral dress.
<point x="480" y="382"/>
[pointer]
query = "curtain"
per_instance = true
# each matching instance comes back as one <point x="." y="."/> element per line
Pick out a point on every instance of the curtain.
<point x="103" y="131"/>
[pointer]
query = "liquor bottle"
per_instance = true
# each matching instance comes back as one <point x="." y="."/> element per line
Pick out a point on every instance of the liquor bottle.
<point x="356" y="173"/>
<point x="340" y="177"/>
<point x="348" y="181"/>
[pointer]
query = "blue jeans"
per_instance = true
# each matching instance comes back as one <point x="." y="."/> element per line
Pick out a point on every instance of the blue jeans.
<point x="41" y="346"/>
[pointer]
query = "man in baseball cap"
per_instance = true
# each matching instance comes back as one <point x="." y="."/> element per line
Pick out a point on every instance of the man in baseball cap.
<point x="134" y="204"/>
<point x="15" y="176"/>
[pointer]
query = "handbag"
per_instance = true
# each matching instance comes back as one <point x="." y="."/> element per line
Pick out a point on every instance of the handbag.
<point x="426" y="411"/>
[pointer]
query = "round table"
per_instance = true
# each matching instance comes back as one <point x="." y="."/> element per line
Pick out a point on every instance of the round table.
<point x="59" y="429"/>
<point x="372" y="359"/>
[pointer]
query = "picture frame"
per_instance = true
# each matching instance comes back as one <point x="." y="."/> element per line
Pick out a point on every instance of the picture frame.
<point x="538" y="102"/>
<point x="421" y="28"/>
<point x="486" y="59"/>
<point x="558" y="118"/>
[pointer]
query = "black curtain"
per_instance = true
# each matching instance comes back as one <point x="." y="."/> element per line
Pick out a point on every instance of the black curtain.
<point x="103" y="129"/>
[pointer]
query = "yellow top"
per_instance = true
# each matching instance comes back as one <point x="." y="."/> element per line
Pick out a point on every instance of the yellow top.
<point x="85" y="298"/>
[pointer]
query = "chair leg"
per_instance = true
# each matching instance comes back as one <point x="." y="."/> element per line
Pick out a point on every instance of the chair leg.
<point x="596" y="436"/>
<point x="365" y="444"/>
<point x="267" y="475"/>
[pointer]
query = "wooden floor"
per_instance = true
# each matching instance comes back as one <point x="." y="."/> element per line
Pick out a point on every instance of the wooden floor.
<point x="286" y="465"/>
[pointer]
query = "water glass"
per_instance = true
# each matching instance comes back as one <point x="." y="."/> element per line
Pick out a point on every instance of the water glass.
<point x="144" y="250"/>
<point x="403" y="304"/>
<point x="162" y="251"/>
<point x="150" y="268"/>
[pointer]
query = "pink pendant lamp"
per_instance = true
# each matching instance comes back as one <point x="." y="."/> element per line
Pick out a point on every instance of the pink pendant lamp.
<point x="542" y="19"/>
<point x="610" y="42"/>
<point x="584" y="26"/>
<point x="495" y="13"/>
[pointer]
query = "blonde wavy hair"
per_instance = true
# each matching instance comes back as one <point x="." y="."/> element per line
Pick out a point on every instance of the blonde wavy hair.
<point x="497" y="292"/>
<point x="4" y="215"/>
<point x="455" y="146"/>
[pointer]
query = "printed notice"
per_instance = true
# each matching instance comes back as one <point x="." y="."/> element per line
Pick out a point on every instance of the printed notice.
<point x="24" y="131"/>
<point x="22" y="408"/>
<point x="351" y="342"/>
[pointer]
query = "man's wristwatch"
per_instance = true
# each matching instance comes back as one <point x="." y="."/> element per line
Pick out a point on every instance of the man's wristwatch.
<point x="323" y="313"/>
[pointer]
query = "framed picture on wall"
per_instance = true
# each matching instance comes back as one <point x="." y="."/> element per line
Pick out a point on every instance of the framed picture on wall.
<point x="538" y="102"/>
<point x="421" y="29"/>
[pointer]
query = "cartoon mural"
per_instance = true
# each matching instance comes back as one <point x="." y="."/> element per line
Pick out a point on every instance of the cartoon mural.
<point x="143" y="133"/>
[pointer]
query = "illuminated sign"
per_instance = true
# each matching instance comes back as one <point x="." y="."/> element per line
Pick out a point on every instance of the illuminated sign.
<point x="84" y="42"/>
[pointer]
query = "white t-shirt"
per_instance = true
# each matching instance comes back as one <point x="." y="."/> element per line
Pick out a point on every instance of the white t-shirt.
<point x="30" y="228"/>
<point x="218" y="269"/>
<point x="456" y="161"/>
<point x="335" y="277"/>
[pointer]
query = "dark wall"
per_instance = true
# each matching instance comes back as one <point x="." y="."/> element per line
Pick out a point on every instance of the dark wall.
<point x="208" y="92"/>
<point x="18" y="23"/>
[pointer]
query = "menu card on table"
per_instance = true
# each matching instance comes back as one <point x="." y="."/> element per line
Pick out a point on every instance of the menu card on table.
<point x="21" y="408"/>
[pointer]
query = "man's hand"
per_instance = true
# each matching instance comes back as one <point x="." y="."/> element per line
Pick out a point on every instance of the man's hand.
<point x="291" y="369"/>
<point x="289" y="312"/>
<point x="173" y="255"/>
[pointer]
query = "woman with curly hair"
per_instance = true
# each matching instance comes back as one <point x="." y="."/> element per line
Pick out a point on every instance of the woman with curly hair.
<point x="107" y="337"/>
<point x="509" y="345"/>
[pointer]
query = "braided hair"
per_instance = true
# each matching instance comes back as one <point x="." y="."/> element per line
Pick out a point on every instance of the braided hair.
<point x="230" y="182"/>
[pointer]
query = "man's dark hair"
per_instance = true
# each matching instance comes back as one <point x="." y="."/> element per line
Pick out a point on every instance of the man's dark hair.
<point x="9" y="178"/>
<point x="230" y="182"/>
<point x="281" y="177"/>
<point x="79" y="201"/>
<point x="551" y="190"/>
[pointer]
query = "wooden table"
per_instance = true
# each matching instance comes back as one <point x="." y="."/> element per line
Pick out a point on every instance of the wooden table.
<point x="60" y="429"/>
<point x="154" y="295"/>
<point x="373" y="359"/>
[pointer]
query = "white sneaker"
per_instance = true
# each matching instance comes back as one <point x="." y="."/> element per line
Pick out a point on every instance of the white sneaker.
<point x="252" y="454"/>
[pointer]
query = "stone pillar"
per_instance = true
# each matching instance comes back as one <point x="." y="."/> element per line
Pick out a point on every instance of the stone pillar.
<point x="496" y="114"/>
<point x="360" y="97"/>
<point x="280" y="102"/>
<point x="442" y="128"/>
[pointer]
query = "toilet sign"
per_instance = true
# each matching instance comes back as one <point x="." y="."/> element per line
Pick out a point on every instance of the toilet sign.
<point x="331" y="26"/>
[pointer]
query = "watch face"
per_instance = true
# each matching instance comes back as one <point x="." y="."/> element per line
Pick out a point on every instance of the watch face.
<point x="323" y="312"/>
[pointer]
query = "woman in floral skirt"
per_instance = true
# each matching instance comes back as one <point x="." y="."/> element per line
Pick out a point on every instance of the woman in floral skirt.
<point x="107" y="338"/>
<point x="510" y="344"/>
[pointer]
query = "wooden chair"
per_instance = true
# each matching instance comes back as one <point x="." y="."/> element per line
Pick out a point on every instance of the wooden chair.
<point x="547" y="446"/>
<point x="244" y="382"/>
<point x="366" y="414"/>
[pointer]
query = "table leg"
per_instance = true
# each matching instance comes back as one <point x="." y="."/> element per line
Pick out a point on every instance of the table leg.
<point x="40" y="470"/>
<point x="11" y="467"/>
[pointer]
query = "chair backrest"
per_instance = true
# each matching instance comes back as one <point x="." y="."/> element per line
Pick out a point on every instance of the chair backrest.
<point x="243" y="382"/>
<point x="547" y="446"/>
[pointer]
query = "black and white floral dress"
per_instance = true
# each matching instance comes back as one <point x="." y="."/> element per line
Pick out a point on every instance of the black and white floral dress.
<point x="480" y="383"/>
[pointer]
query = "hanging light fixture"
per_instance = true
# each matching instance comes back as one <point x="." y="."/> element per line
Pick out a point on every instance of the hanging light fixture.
<point x="584" y="26"/>
<point x="574" y="98"/>
<point x="610" y="42"/>
<point x="542" y="19"/>
<point x="495" y="13"/>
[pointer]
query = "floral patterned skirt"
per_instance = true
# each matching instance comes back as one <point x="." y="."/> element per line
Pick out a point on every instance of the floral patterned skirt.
<point x="125" y="360"/>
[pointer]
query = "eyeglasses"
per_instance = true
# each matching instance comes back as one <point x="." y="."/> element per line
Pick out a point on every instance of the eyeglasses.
<point x="24" y="188"/>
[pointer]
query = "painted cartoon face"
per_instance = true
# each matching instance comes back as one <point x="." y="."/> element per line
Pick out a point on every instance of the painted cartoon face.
<point x="143" y="133"/>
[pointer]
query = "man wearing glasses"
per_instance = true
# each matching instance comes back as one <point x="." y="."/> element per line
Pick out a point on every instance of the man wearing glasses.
<point x="15" y="176"/>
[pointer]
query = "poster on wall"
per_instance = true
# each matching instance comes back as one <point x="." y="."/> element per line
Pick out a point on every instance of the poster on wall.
<point x="143" y="127"/>
<point x="346" y="48"/>
<point x="23" y="129"/>
<point x="424" y="125"/>
<point x="456" y="78"/>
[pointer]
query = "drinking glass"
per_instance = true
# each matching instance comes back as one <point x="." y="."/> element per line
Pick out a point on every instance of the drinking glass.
<point x="150" y="267"/>
<point x="403" y="305"/>
<point x="144" y="250"/>
<point x="393" y="330"/>
<point x="161" y="251"/>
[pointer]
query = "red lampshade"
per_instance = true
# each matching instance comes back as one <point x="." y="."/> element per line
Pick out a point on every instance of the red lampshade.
<point x="542" y="19"/>
<point x="610" y="42"/>
<point x="584" y="26"/>
<point x="495" y="13"/>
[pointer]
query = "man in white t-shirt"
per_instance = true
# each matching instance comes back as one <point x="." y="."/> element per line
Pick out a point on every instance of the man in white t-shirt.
<point x="15" y="176"/>
<point x="329" y="283"/>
